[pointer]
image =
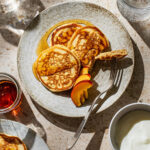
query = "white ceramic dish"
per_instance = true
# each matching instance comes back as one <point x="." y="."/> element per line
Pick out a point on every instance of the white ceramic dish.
<point x="120" y="114"/>
<point x="60" y="103"/>
<point x="27" y="135"/>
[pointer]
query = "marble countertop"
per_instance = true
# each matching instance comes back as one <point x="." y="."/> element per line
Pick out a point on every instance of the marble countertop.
<point x="57" y="130"/>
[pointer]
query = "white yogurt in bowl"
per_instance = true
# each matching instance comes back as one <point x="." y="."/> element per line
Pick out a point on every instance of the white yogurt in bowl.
<point x="130" y="128"/>
<point x="133" y="131"/>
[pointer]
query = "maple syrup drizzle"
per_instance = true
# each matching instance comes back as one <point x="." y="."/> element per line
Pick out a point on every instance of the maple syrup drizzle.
<point x="43" y="43"/>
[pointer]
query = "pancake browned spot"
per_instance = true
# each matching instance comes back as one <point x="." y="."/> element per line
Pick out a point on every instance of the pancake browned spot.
<point x="57" y="68"/>
<point x="86" y="43"/>
<point x="11" y="143"/>
<point x="62" y="34"/>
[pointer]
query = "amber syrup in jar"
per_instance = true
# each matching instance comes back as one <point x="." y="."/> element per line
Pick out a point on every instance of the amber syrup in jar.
<point x="8" y="93"/>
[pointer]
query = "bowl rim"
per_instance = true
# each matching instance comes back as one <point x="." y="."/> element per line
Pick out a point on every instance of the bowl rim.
<point x="118" y="112"/>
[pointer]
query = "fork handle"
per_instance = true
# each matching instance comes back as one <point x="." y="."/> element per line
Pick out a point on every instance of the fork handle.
<point x="83" y="123"/>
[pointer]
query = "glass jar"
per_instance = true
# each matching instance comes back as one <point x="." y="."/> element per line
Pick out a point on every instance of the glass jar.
<point x="138" y="3"/>
<point x="134" y="10"/>
<point x="6" y="77"/>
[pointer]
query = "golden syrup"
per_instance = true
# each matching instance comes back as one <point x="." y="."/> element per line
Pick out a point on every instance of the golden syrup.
<point x="43" y="44"/>
<point x="34" y="70"/>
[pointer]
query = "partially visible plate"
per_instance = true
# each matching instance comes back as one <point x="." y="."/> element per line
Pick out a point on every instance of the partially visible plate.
<point x="27" y="135"/>
<point x="100" y="17"/>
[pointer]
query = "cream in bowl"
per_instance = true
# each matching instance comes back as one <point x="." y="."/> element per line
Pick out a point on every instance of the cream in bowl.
<point x="130" y="128"/>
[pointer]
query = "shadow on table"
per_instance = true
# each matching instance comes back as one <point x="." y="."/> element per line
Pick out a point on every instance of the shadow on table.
<point x="9" y="22"/>
<point x="99" y="122"/>
<point x="25" y="115"/>
<point x="131" y="95"/>
<point x="11" y="37"/>
<point x="143" y="29"/>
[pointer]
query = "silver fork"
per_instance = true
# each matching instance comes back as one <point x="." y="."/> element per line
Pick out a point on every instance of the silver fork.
<point x="107" y="86"/>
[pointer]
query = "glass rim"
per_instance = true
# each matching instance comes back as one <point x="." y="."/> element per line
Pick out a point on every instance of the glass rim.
<point x="19" y="92"/>
<point x="138" y="4"/>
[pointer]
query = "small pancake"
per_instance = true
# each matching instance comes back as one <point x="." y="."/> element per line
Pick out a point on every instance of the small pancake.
<point x="11" y="143"/>
<point x="117" y="54"/>
<point x="57" y="68"/>
<point x="86" y="43"/>
<point x="62" y="34"/>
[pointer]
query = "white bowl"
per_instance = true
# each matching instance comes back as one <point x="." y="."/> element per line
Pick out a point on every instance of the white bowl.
<point x="120" y="114"/>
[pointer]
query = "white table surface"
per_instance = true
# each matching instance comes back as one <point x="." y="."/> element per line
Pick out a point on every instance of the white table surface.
<point x="57" y="130"/>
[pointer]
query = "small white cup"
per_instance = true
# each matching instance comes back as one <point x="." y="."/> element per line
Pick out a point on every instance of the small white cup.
<point x="120" y="114"/>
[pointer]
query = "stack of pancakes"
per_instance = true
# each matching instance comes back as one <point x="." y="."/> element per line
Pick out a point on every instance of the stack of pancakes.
<point x="72" y="46"/>
<point x="11" y="143"/>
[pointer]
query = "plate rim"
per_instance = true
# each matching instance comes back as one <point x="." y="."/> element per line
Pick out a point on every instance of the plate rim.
<point x="21" y="124"/>
<point x="76" y="2"/>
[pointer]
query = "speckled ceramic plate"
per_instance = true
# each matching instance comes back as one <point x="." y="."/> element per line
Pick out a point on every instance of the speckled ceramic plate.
<point x="27" y="135"/>
<point x="61" y="103"/>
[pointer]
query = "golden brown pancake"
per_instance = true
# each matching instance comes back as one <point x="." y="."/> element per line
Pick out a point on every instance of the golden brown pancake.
<point x="11" y="143"/>
<point x="57" y="68"/>
<point x="62" y="34"/>
<point x="86" y="43"/>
